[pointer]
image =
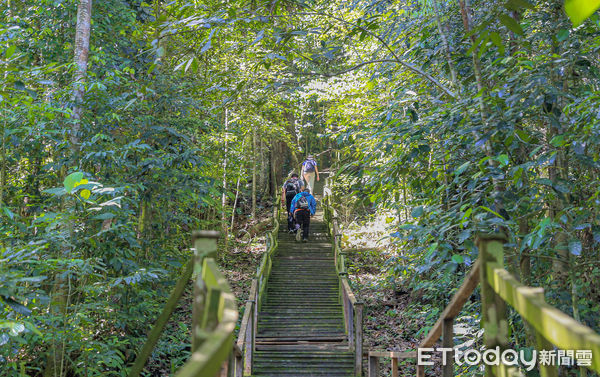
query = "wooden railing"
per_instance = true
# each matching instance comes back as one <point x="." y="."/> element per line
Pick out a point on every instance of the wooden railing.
<point x="214" y="314"/>
<point x="395" y="357"/>
<point x="245" y="345"/>
<point x="552" y="327"/>
<point x="353" y="309"/>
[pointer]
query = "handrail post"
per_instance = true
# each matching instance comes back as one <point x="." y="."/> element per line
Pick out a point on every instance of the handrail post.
<point x="448" y="342"/>
<point x="542" y="343"/>
<point x="205" y="245"/>
<point x="358" y="336"/>
<point x="493" y="308"/>
<point x="373" y="366"/>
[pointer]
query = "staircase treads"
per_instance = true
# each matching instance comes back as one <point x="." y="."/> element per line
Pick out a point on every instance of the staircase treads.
<point x="301" y="329"/>
<point x="300" y="347"/>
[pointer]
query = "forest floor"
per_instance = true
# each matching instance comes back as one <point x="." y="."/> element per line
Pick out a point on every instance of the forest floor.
<point x="391" y="312"/>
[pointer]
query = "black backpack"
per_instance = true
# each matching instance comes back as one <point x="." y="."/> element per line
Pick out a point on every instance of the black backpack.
<point x="291" y="188"/>
<point x="309" y="165"/>
<point x="302" y="203"/>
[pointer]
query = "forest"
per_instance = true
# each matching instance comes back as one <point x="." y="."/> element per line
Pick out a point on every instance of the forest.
<point x="458" y="147"/>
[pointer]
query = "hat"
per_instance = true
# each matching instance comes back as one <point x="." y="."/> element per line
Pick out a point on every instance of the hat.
<point x="310" y="156"/>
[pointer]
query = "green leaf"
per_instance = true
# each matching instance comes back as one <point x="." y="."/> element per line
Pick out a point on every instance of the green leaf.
<point x="71" y="180"/>
<point x="558" y="141"/>
<point x="462" y="236"/>
<point x="562" y="35"/>
<point x="502" y="159"/>
<point x="462" y="168"/>
<point x="206" y="46"/>
<point x="575" y="247"/>
<point x="492" y="212"/>
<point x="8" y="213"/>
<point x="511" y="24"/>
<point x="17" y="307"/>
<point x="104" y="216"/>
<point x="10" y="51"/>
<point x="562" y="188"/>
<point x="57" y="191"/>
<point x="579" y="10"/>
<point x="497" y="40"/>
<point x="417" y="212"/>
<point x="457" y="258"/>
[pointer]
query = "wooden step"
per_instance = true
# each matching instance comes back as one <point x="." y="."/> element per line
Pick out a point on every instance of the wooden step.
<point x="301" y="330"/>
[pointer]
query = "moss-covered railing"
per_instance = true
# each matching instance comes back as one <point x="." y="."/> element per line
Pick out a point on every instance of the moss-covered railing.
<point x="353" y="309"/>
<point x="245" y="344"/>
<point x="499" y="289"/>
<point x="214" y="314"/>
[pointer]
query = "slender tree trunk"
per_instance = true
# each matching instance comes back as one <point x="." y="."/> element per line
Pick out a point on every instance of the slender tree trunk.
<point x="82" y="49"/>
<point x="237" y="188"/>
<point x="445" y="45"/>
<point x="482" y="90"/>
<point x="224" y="194"/>
<point x="3" y="161"/>
<point x="254" y="152"/>
<point x="55" y="365"/>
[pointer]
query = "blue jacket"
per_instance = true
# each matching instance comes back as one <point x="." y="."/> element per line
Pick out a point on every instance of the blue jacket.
<point x="312" y="203"/>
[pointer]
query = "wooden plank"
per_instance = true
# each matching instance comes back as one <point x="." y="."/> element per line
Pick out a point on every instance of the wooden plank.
<point x="348" y="291"/>
<point x="455" y="306"/>
<point x="373" y="366"/>
<point x="358" y="337"/>
<point x="448" y="342"/>
<point x="207" y="360"/>
<point x="394" y="367"/>
<point x="146" y="351"/>
<point x="420" y="371"/>
<point x="394" y="354"/>
<point x="554" y="325"/>
<point x="246" y="319"/>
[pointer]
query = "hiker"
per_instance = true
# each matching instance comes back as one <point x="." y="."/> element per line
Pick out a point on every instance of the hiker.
<point x="309" y="169"/>
<point x="291" y="188"/>
<point x="304" y="206"/>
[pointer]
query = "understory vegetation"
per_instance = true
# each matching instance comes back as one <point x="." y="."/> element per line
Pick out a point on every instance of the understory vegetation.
<point x="127" y="124"/>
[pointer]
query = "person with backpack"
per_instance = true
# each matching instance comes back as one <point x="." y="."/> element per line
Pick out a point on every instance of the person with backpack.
<point x="304" y="206"/>
<point x="309" y="170"/>
<point x="290" y="189"/>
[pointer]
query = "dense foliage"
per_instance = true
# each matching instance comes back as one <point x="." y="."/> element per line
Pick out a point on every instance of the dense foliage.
<point x="449" y="117"/>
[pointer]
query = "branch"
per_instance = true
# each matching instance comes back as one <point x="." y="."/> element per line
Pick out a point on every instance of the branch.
<point x="396" y="57"/>
<point x="345" y="70"/>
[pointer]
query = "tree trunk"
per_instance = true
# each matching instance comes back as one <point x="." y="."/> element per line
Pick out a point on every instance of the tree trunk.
<point x="55" y="365"/>
<point x="254" y="152"/>
<point x="446" y="46"/>
<point x="82" y="49"/>
<point x="224" y="226"/>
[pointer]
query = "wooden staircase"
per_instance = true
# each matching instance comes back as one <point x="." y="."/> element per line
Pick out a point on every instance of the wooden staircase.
<point x="301" y="330"/>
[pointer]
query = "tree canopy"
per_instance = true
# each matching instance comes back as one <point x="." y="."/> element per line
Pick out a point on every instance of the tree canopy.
<point x="444" y="118"/>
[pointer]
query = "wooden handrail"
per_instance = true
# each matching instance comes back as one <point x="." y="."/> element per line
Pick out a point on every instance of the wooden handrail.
<point x="247" y="334"/>
<point x="552" y="326"/>
<point x="245" y="341"/>
<point x="374" y="357"/>
<point x="353" y="309"/>
<point x="348" y="291"/>
<point x="215" y="312"/>
<point x="499" y="288"/>
<point x="157" y="329"/>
